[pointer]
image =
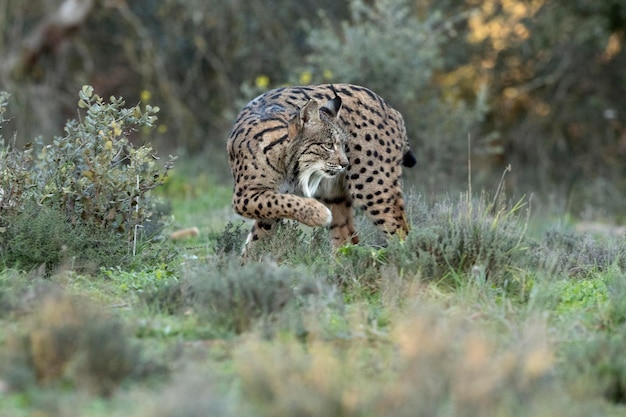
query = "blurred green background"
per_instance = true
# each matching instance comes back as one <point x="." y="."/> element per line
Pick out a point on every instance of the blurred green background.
<point x="535" y="84"/>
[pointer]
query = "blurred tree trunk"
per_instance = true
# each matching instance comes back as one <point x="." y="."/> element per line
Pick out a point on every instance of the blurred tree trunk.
<point x="49" y="35"/>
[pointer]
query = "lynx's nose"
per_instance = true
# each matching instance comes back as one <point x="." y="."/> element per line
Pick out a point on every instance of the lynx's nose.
<point x="343" y="161"/>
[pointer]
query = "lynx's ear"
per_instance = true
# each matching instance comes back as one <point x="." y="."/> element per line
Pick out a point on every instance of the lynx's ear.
<point x="309" y="113"/>
<point x="333" y="106"/>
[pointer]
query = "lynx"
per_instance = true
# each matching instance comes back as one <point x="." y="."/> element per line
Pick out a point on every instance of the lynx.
<point x="313" y="153"/>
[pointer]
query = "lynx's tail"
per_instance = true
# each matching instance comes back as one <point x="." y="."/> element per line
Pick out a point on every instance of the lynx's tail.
<point x="408" y="159"/>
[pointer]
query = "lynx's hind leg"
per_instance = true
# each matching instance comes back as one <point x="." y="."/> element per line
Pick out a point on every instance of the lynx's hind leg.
<point x="261" y="230"/>
<point x="342" y="229"/>
<point x="384" y="209"/>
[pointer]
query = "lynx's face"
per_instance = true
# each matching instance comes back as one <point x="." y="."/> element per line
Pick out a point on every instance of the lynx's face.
<point x="320" y="142"/>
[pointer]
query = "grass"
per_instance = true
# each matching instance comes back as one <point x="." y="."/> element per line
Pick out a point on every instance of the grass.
<point x="470" y="315"/>
<point x="199" y="201"/>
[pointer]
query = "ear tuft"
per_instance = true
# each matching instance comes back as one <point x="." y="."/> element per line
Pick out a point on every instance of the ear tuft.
<point x="332" y="107"/>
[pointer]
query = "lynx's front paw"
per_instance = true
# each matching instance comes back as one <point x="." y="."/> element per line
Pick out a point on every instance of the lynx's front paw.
<point x="316" y="214"/>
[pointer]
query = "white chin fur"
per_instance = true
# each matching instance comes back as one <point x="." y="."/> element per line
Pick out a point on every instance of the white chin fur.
<point x="310" y="180"/>
<point x="314" y="181"/>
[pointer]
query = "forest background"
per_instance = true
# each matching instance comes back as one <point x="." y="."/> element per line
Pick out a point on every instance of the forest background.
<point x="537" y="85"/>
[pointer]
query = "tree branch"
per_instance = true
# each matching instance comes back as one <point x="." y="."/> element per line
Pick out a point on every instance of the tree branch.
<point x="51" y="33"/>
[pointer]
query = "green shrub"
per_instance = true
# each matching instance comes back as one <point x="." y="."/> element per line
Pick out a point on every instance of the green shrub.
<point x="38" y="235"/>
<point x="578" y="255"/>
<point x="451" y="242"/>
<point x="87" y="190"/>
<point x="479" y="239"/>
<point x="230" y="241"/>
<point x="590" y="318"/>
<point x="291" y="243"/>
<point x="228" y="298"/>
<point x="41" y="235"/>
<point x="596" y="366"/>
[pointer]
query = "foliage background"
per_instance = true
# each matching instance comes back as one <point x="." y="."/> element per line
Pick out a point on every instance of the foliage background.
<point x="538" y="84"/>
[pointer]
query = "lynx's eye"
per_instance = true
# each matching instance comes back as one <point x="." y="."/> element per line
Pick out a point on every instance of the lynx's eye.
<point x="329" y="146"/>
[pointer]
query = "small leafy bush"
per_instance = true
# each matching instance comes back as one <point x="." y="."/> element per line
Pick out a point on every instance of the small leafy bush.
<point x="91" y="182"/>
<point x="581" y="295"/>
<point x="100" y="177"/>
<point x="39" y="235"/>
